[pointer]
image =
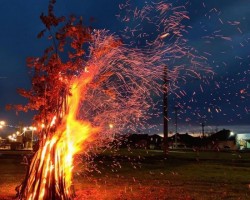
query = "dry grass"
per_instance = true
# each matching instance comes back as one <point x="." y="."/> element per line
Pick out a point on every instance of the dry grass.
<point x="11" y="174"/>
<point x="141" y="175"/>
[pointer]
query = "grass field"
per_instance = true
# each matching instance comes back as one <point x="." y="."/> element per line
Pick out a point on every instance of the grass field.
<point x="141" y="174"/>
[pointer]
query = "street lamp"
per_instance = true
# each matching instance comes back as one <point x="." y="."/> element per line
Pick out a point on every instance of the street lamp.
<point x="32" y="128"/>
<point x="176" y="127"/>
<point x="2" y="123"/>
<point x="12" y="137"/>
<point x="165" y="110"/>
<point x="111" y="126"/>
<point x="112" y="133"/>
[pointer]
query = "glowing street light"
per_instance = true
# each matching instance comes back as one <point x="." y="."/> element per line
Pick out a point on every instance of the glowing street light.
<point x="111" y="126"/>
<point x="2" y="124"/>
<point x="12" y="138"/>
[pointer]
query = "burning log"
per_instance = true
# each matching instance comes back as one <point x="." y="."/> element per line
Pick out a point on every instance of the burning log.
<point x="46" y="178"/>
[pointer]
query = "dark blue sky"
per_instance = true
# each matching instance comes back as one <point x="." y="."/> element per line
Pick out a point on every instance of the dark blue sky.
<point x="220" y="31"/>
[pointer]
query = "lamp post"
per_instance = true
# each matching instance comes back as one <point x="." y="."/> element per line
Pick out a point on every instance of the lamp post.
<point x="111" y="126"/>
<point x="32" y="129"/>
<point x="176" y="127"/>
<point x="24" y="137"/>
<point x="165" y="110"/>
<point x="202" y="129"/>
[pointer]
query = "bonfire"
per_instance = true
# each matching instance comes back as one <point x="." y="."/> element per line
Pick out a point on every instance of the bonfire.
<point x="87" y="81"/>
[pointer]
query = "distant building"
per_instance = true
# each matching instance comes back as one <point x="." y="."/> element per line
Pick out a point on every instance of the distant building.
<point x="184" y="141"/>
<point x="243" y="141"/>
<point x="155" y="141"/>
<point x="138" y="141"/>
<point x="222" y="140"/>
<point x="142" y="141"/>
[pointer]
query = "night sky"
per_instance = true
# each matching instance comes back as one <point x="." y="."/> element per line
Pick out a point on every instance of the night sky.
<point x="220" y="31"/>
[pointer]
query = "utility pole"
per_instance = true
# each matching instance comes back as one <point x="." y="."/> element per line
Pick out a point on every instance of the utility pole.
<point x="165" y="110"/>
<point x="176" y="127"/>
<point x="202" y="129"/>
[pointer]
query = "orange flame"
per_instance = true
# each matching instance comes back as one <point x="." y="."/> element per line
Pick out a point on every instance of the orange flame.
<point x="56" y="157"/>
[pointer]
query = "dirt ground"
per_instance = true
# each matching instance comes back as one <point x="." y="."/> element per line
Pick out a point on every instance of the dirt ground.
<point x="178" y="177"/>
